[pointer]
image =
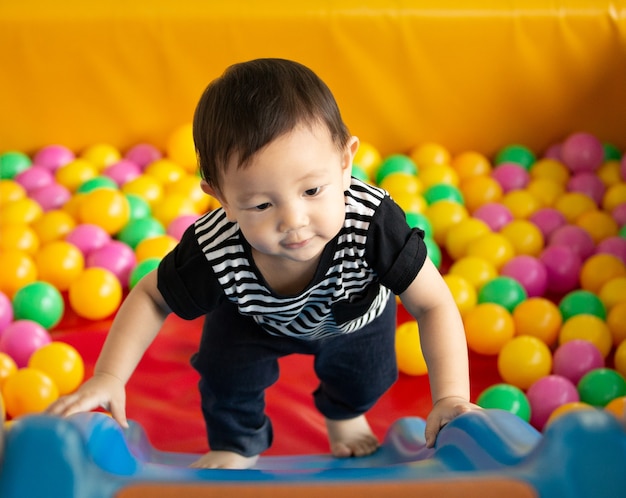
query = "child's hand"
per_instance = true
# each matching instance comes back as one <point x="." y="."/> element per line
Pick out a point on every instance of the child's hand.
<point x="443" y="412"/>
<point x="101" y="391"/>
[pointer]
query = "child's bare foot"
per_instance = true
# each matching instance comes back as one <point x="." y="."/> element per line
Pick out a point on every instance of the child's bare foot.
<point x="224" y="460"/>
<point x="352" y="437"/>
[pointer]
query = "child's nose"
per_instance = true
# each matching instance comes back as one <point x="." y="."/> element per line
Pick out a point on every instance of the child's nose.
<point x="292" y="218"/>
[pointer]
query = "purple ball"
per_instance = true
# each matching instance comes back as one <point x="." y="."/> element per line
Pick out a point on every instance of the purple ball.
<point x="589" y="184"/>
<point x="613" y="245"/>
<point x="574" y="237"/>
<point x="546" y="395"/>
<point x="116" y="257"/>
<point x="563" y="266"/>
<point x="548" y="220"/>
<point x="575" y="358"/>
<point x="143" y="154"/>
<point x="34" y="177"/>
<point x="51" y="196"/>
<point x="6" y="311"/>
<point x="21" y="339"/>
<point x="530" y="272"/>
<point x="123" y="171"/>
<point x="582" y="152"/>
<point x="493" y="214"/>
<point x="619" y="214"/>
<point x="88" y="237"/>
<point x="177" y="227"/>
<point x="511" y="176"/>
<point x="53" y="157"/>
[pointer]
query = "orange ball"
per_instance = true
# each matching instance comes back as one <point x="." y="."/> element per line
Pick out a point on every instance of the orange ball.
<point x="574" y="204"/>
<point x="616" y="321"/>
<point x="598" y="224"/>
<point x="598" y="269"/>
<point x="53" y="225"/>
<point x="59" y="263"/>
<point x="7" y="367"/>
<point x="430" y="154"/>
<point x="19" y="237"/>
<point x="538" y="317"/>
<point x="572" y="406"/>
<point x="479" y="190"/>
<point x="62" y="363"/>
<point x="18" y="269"/>
<point x="95" y="294"/>
<point x="488" y="327"/>
<point x="409" y="350"/>
<point x="620" y="358"/>
<point x="470" y="163"/>
<point x="524" y="360"/>
<point x="28" y="391"/>
<point x="617" y="407"/>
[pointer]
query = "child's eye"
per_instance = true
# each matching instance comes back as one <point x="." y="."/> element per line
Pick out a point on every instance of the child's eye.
<point x="262" y="207"/>
<point x="312" y="191"/>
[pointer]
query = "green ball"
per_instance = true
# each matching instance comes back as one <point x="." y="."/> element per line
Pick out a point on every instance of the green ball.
<point x="434" y="253"/>
<point x="505" y="397"/>
<point x="418" y="220"/>
<point x="96" y="183"/>
<point x="611" y="152"/>
<point x="359" y="173"/>
<point x="505" y="291"/>
<point x="600" y="386"/>
<point x="515" y="153"/>
<point x="581" y="302"/>
<point x="141" y="270"/>
<point x="39" y="302"/>
<point x="139" y="207"/>
<point x="395" y="163"/>
<point x="443" y="192"/>
<point x="12" y="163"/>
<point x="622" y="232"/>
<point x="137" y="230"/>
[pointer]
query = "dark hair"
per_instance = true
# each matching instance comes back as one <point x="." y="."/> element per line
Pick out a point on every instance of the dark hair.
<point x="252" y="104"/>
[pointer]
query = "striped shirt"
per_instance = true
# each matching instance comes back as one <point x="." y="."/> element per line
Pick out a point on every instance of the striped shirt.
<point x="351" y="286"/>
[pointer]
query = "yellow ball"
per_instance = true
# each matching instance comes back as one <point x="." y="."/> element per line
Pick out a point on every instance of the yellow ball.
<point x="610" y="173"/>
<point x="154" y="247"/>
<point x="443" y="215"/>
<point x="480" y="190"/>
<point x="401" y="184"/>
<point x="101" y="155"/>
<point x="614" y="196"/>
<point x="589" y="328"/>
<point x="107" y="208"/>
<point x="525" y="237"/>
<point x="165" y="171"/>
<point x="18" y="269"/>
<point x="546" y="190"/>
<point x="10" y="191"/>
<point x="620" y="358"/>
<point x="410" y="203"/>
<point x="368" y="158"/>
<point x="62" y="363"/>
<point x="180" y="148"/>
<point x="492" y="246"/>
<point x="59" y="263"/>
<point x="616" y="321"/>
<point x="476" y="270"/>
<point x="25" y="210"/>
<point x="19" y="237"/>
<point x="7" y="368"/>
<point x="521" y="203"/>
<point x="73" y="174"/>
<point x="189" y="186"/>
<point x="53" y="225"/>
<point x="574" y="204"/>
<point x="523" y="360"/>
<point x="409" y="350"/>
<point x="171" y="207"/>
<point x="463" y="292"/>
<point x="459" y="236"/>
<point x="430" y="154"/>
<point x="28" y="391"/>
<point x="551" y="169"/>
<point x="95" y="294"/>
<point x="613" y="292"/>
<point x="434" y="175"/>
<point x="145" y="186"/>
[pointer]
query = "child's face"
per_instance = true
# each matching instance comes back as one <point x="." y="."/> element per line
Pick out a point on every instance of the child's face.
<point x="289" y="200"/>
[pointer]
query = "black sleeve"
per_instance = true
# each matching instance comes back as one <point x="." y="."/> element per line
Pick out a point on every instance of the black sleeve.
<point x="186" y="279"/>
<point x="395" y="251"/>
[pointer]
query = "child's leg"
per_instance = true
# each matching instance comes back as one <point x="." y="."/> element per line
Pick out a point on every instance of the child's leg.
<point x="355" y="370"/>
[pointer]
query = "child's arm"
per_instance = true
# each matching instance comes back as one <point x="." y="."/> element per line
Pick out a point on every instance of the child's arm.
<point x="444" y="347"/>
<point x="135" y="326"/>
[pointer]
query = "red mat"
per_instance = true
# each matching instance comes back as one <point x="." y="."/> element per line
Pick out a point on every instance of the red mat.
<point x="162" y="394"/>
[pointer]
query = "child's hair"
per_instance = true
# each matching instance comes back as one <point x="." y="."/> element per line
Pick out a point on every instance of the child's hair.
<point x="252" y="104"/>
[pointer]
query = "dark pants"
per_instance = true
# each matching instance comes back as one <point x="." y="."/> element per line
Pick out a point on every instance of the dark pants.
<point x="237" y="361"/>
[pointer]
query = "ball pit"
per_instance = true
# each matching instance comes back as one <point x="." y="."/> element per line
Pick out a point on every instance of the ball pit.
<point x="523" y="360"/>
<point x="576" y="358"/>
<point x="546" y="395"/>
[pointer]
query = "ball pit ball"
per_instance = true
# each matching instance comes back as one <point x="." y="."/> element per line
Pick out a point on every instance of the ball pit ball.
<point x="460" y="235"/>
<point x="155" y="247"/>
<point x="73" y="174"/>
<point x="581" y="302"/>
<point x="62" y="363"/>
<point x="140" y="229"/>
<point x="106" y="208"/>
<point x="39" y="302"/>
<point x="400" y="182"/>
<point x="10" y="191"/>
<point x="51" y="196"/>
<point x="538" y="317"/>
<point x="574" y="237"/>
<point x="52" y="157"/>
<point x="567" y="408"/>
<point x="488" y="327"/>
<point x="189" y="186"/>
<point x="95" y="183"/>
<point x="477" y="271"/>
<point x="438" y="175"/>
<point x="573" y="205"/>
<point x="6" y="311"/>
<point x="582" y="152"/>
<point x="521" y="203"/>
<point x="178" y="225"/>
<point x="395" y="163"/>
<point x="7" y="368"/>
<point x="479" y="191"/>
<point x="95" y="294"/>
<point x="122" y="171"/>
<point x="614" y="196"/>
<point x="143" y="154"/>
<point x="551" y="169"/>
<point x="115" y="256"/>
<point x="546" y="191"/>
<point x="21" y="339"/>
<point x="529" y="271"/>
<point x="433" y="251"/>
<point x="598" y="224"/>
<point x="180" y="148"/>
<point x="463" y="292"/>
<point x="409" y="350"/>
<point x="505" y="291"/>
<point x="19" y="237"/>
<point x="171" y="207"/>
<point x="546" y="395"/>
<point x="492" y="246"/>
<point x="442" y="216"/>
<point x="516" y="153"/>
<point x="414" y="220"/>
<point x="25" y="210"/>
<point x="18" y="269"/>
<point x="139" y="207"/>
<point x="13" y="163"/>
<point x="563" y="266"/>
<point x="598" y="269"/>
<point x="613" y="292"/>
<point x="617" y="407"/>
<point x="470" y="163"/>
<point x="525" y="237"/>
<point x="430" y="154"/>
<point x="88" y="237"/>
<point x="575" y="358"/>
<point x="141" y="270"/>
<point x="101" y="155"/>
<point x="53" y="225"/>
<point x="359" y="173"/>
<point x="511" y="176"/>
<point x="609" y="173"/>
<point x="59" y="263"/>
<point x="619" y="358"/>
<point x="589" y="328"/>
<point x="619" y="214"/>
<point x="28" y="391"/>
<point x="146" y="187"/>
<point x="589" y="184"/>
<point x="616" y="321"/>
<point x="600" y="386"/>
<point x="34" y="177"/>
<point x="614" y="245"/>
<point x="368" y="158"/>
<point x="523" y="360"/>
<point x="165" y="171"/>
<point x="443" y="191"/>
<point x="494" y="215"/>
<point x="505" y="397"/>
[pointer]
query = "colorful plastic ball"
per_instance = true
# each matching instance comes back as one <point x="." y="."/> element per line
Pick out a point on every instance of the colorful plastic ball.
<point x="414" y="220"/>
<point x="463" y="292"/>
<point x="139" y="207"/>
<point x="53" y="225"/>
<point x="598" y="269"/>
<point x="24" y="210"/>
<point x="72" y="175"/>
<point x="525" y="237"/>
<point x="582" y="152"/>
<point x="575" y="358"/>
<point x="145" y="186"/>
<point x="616" y="321"/>
<point x="521" y="203"/>
<point x="492" y="246"/>
<point x="165" y="171"/>
<point x="7" y="368"/>
<point x="141" y="270"/>
<point x="143" y="154"/>
<point x="400" y="182"/>
<point x="430" y="154"/>
<point x="101" y="155"/>
<point x="438" y="175"/>
<point x="180" y="148"/>
<point x="62" y="363"/>
<point x="52" y="157"/>
<point x="613" y="292"/>
<point x="395" y="163"/>
<point x="19" y="237"/>
<point x="478" y="271"/>
<point x="122" y="171"/>
<point x="547" y="220"/>
<point x="6" y="311"/>
<point x="551" y="169"/>
<point x="115" y="256"/>
<point x="560" y="411"/>
<point x="480" y="190"/>
<point x="579" y="302"/>
<point x="409" y="350"/>
<point x="548" y="393"/>
<point x="96" y="182"/>
<point x="538" y="317"/>
<point x="18" y="269"/>
<point x="21" y="339"/>
<point x="614" y="245"/>
<point x="619" y="214"/>
<point x="59" y="263"/>
<point x="88" y="237"/>
<point x="471" y="163"/>
<point x="598" y="224"/>
<point x="39" y="302"/>
<point x="574" y="237"/>
<point x="106" y="208"/>
<point x="573" y="205"/>
<point x="529" y="271"/>
<point x="617" y="407"/>
<point x="505" y="291"/>
<point x="189" y="186"/>
<point x="494" y="215"/>
<point x="488" y="327"/>
<point x="511" y="176"/>
<point x="589" y="328"/>
<point x="433" y="251"/>
<point x="411" y="203"/>
<point x="442" y="216"/>
<point x="505" y="397"/>
<point x="460" y="235"/>
<point x="563" y="268"/>
<point x="516" y="153"/>
<point x="443" y="191"/>
<point x="171" y="207"/>
<point x="614" y="196"/>
<point x="11" y="191"/>
<point x="34" y="177"/>
<point x="140" y="229"/>
<point x="12" y="163"/>
<point x="28" y="391"/>
<point x="600" y="386"/>
<point x="178" y="225"/>
<point x="620" y="358"/>
<point x="609" y="173"/>
<point x="51" y="196"/>
<point x="546" y="191"/>
<point x="523" y="360"/>
<point x="589" y="184"/>
<point x="95" y="294"/>
<point x="368" y="157"/>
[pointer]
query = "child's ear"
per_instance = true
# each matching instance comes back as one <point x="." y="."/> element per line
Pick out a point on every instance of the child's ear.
<point x="213" y="192"/>
<point x="350" y="151"/>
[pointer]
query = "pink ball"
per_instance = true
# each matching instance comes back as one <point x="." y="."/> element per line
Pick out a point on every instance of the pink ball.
<point x="582" y="152"/>
<point x="613" y="245"/>
<point x="6" y="311"/>
<point x="563" y="266"/>
<point x="622" y="168"/>
<point x="619" y="214"/>
<point x="546" y="395"/>
<point x="575" y="358"/>
<point x="51" y="196"/>
<point x="177" y="227"/>
<point x="53" y="157"/>
<point x="34" y="177"/>
<point x="116" y="257"/>
<point x="123" y="171"/>
<point x="529" y="272"/>
<point x="21" y="339"/>
<point x="88" y="237"/>
<point x="589" y="184"/>
<point x="511" y="176"/>
<point x="553" y="152"/>
<point x="143" y="154"/>
<point x="574" y="237"/>
<point x="547" y="220"/>
<point x="494" y="214"/>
